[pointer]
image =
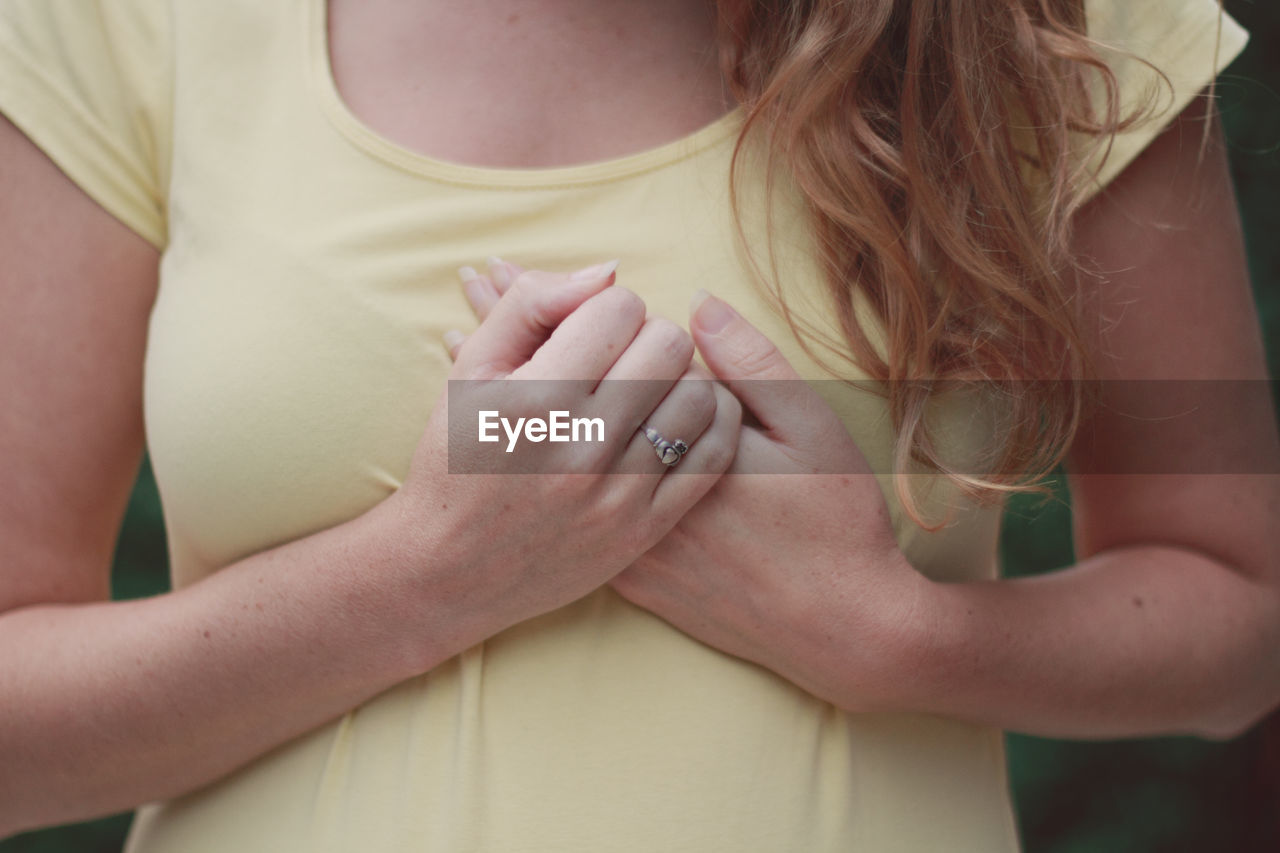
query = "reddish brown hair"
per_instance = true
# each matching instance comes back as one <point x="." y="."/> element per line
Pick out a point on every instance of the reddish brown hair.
<point x="940" y="147"/>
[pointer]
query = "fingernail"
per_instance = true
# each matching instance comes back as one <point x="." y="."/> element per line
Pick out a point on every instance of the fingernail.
<point x="711" y="314"/>
<point x="595" y="273"/>
<point x="453" y="339"/>
<point x="477" y="290"/>
<point x="498" y="272"/>
<point x="468" y="273"/>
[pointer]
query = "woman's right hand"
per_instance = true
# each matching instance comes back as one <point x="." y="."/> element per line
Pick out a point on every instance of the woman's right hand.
<point x="506" y="545"/>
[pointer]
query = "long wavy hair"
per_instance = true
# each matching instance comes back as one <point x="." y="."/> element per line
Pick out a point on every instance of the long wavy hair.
<point x="941" y="148"/>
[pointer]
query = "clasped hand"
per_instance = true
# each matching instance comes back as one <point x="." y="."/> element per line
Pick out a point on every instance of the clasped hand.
<point x="781" y="565"/>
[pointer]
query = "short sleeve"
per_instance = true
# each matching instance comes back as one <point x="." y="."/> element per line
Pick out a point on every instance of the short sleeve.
<point x="89" y="82"/>
<point x="1189" y="41"/>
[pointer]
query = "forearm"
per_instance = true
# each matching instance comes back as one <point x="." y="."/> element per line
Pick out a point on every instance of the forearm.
<point x="1130" y="642"/>
<point x="104" y="706"/>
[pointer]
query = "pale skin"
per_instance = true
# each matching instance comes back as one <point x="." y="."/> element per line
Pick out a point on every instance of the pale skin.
<point x="106" y="705"/>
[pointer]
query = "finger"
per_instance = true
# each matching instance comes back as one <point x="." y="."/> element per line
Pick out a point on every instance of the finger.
<point x="707" y="459"/>
<point x="480" y="291"/>
<point x="757" y="373"/>
<point x="661" y="350"/>
<point x="453" y="341"/>
<point x="683" y="415"/>
<point x="526" y="316"/>
<point x="587" y="343"/>
<point x="646" y="371"/>
<point x="502" y="273"/>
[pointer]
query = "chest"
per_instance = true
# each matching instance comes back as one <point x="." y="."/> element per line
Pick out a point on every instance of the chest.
<point x="295" y="347"/>
<point x="519" y="84"/>
<point x="295" y="350"/>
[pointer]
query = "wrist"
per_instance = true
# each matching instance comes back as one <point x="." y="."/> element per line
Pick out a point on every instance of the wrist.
<point x="908" y="673"/>
<point x="412" y="548"/>
<point x="873" y="637"/>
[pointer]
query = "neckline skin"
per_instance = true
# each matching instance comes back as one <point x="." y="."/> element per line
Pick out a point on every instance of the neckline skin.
<point x="383" y="148"/>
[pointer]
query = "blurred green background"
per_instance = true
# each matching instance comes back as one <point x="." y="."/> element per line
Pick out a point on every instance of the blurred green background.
<point x="1166" y="794"/>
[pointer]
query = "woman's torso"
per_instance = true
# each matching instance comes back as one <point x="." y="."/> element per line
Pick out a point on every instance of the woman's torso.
<point x="293" y="359"/>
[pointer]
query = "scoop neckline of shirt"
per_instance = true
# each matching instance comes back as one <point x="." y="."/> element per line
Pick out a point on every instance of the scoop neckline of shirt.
<point x="494" y="177"/>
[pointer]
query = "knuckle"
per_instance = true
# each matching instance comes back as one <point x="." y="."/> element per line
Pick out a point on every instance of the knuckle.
<point x="717" y="454"/>
<point x="525" y="285"/>
<point x="702" y="403"/>
<point x="538" y="292"/>
<point x="535" y="301"/>
<point x="672" y="340"/>
<point x="534" y="279"/>
<point x="622" y="301"/>
<point x="754" y="361"/>
<point x="752" y="355"/>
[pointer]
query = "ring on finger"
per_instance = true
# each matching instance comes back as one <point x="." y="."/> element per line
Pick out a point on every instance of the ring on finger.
<point x="669" y="452"/>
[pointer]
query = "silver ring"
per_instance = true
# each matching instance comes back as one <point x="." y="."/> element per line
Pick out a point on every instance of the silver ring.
<point x="669" y="452"/>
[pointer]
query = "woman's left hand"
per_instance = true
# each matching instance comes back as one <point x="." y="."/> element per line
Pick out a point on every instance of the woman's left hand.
<point x="792" y="565"/>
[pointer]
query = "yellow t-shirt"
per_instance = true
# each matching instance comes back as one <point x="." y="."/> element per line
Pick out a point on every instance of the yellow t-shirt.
<point x="294" y="355"/>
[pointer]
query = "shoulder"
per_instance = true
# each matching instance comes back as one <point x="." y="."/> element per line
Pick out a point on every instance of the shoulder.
<point x="1162" y="53"/>
<point x="89" y="82"/>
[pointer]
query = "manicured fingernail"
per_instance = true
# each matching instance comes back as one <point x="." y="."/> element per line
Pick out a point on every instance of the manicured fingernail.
<point x="468" y="273"/>
<point x="499" y="272"/>
<point x="595" y="273"/>
<point x="453" y="339"/>
<point x="711" y="314"/>
<point x="479" y="292"/>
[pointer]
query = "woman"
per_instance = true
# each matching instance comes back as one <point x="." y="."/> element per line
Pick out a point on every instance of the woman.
<point x="247" y="242"/>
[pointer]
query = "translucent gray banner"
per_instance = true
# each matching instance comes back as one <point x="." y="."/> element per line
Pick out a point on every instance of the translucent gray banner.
<point x="526" y="426"/>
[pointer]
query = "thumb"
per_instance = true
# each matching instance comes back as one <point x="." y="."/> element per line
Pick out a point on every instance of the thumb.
<point x="755" y="371"/>
<point x="526" y="315"/>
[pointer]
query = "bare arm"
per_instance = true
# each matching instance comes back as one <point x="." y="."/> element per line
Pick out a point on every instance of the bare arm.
<point x="1170" y="621"/>
<point x="99" y="701"/>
